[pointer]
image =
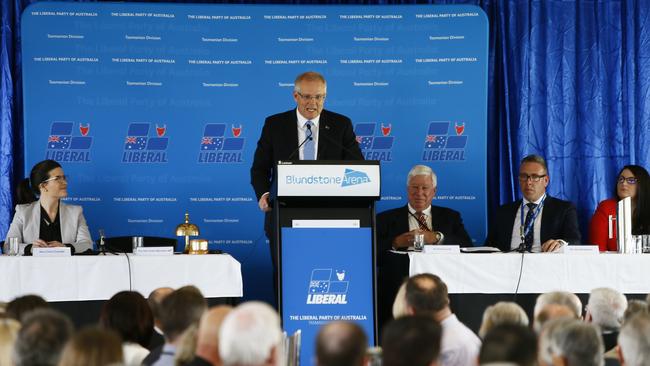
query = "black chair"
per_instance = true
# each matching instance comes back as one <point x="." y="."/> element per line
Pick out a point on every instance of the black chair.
<point x="124" y="244"/>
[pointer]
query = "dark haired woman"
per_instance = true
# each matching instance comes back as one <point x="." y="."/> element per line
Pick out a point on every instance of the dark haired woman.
<point x="41" y="219"/>
<point x="633" y="181"/>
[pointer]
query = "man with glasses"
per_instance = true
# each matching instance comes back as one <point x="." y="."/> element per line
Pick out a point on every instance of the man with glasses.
<point x="538" y="222"/>
<point x="307" y="132"/>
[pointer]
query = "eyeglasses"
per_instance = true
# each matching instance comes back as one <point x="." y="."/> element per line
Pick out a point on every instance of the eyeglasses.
<point x="306" y="97"/>
<point x="535" y="178"/>
<point x="57" y="178"/>
<point x="629" y="180"/>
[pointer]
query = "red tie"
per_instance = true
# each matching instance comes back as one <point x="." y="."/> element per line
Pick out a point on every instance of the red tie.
<point x="422" y="221"/>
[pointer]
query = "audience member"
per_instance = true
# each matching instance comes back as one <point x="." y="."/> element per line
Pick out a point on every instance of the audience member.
<point x="412" y="340"/>
<point x="635" y="307"/>
<point x="560" y="298"/>
<point x="634" y="341"/>
<point x="509" y="342"/>
<point x="128" y="313"/>
<point x="155" y="299"/>
<point x="606" y="308"/>
<point x="186" y="346"/>
<point x="251" y="335"/>
<point x="20" y="306"/>
<point x="8" y="333"/>
<point x="399" y="304"/>
<point x="426" y="294"/>
<point x="503" y="312"/>
<point x="92" y="347"/>
<point x="207" y="342"/>
<point x="178" y="311"/>
<point x="551" y="312"/>
<point x="570" y="342"/>
<point x="41" y="338"/>
<point x="341" y="343"/>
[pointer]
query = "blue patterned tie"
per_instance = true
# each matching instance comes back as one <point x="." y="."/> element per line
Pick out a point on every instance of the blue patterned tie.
<point x="528" y="239"/>
<point x="308" y="152"/>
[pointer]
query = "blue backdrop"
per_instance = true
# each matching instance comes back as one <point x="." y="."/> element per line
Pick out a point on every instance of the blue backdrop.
<point x="566" y="79"/>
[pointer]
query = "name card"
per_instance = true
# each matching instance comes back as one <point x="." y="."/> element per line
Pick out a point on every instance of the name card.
<point x="442" y="249"/>
<point x="154" y="251"/>
<point x="51" y="252"/>
<point x="580" y="249"/>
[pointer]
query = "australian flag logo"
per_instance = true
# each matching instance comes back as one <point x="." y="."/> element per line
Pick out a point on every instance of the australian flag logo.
<point x="442" y="145"/>
<point x="65" y="144"/>
<point x="327" y="286"/>
<point x="219" y="146"/>
<point x="375" y="143"/>
<point x="144" y="144"/>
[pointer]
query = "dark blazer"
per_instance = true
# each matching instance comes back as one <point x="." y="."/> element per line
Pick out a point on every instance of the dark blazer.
<point x="559" y="221"/>
<point x="279" y="140"/>
<point x="392" y="223"/>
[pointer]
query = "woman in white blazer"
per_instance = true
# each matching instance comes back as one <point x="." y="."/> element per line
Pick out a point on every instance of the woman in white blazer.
<point x="41" y="219"/>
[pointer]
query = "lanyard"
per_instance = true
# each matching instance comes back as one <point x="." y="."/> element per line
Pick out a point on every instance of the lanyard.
<point x="523" y="231"/>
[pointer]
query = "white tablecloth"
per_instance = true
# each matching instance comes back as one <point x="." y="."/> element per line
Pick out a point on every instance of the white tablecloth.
<point x="541" y="272"/>
<point x="80" y="278"/>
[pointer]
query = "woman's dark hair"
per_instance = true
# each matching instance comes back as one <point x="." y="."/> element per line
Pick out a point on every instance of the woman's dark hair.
<point x="128" y="313"/>
<point x="28" y="191"/>
<point x="641" y="215"/>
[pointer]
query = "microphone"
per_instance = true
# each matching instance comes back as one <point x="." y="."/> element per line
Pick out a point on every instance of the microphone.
<point x="308" y="138"/>
<point x="338" y="144"/>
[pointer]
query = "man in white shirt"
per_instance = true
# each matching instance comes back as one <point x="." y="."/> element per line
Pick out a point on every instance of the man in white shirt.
<point x="426" y="294"/>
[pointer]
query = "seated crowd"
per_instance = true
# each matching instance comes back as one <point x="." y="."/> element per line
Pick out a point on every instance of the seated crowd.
<point x="176" y="327"/>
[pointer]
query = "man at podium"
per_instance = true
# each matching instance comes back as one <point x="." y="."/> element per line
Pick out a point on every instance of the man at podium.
<point x="307" y="132"/>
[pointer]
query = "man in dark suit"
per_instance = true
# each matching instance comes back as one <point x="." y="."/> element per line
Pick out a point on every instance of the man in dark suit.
<point x="306" y="133"/>
<point x="538" y="222"/>
<point x="396" y="228"/>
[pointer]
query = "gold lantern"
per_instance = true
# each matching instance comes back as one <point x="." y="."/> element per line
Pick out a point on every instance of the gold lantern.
<point x="187" y="229"/>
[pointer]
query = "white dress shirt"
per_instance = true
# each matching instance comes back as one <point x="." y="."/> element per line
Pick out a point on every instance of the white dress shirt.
<point x="459" y="345"/>
<point x="515" y="241"/>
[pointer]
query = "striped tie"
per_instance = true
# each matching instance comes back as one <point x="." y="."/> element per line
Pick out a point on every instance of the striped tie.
<point x="422" y="221"/>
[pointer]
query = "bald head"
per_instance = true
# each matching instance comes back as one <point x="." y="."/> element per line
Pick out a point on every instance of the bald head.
<point x="551" y="312"/>
<point x="426" y="294"/>
<point x="207" y="343"/>
<point x="341" y="344"/>
<point x="155" y="299"/>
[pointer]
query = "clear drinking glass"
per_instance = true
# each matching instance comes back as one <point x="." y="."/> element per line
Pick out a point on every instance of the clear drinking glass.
<point x="418" y="241"/>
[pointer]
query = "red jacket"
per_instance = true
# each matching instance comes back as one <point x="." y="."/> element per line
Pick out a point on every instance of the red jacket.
<point x="599" y="226"/>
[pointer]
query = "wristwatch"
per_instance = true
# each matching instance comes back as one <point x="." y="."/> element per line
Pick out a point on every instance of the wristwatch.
<point x="438" y="236"/>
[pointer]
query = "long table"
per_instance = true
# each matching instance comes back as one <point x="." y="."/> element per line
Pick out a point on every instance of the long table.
<point x="499" y="273"/>
<point x="84" y="278"/>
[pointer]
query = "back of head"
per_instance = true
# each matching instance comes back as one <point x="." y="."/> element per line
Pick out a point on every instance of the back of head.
<point x="606" y="307"/>
<point x="551" y="312"/>
<point x="43" y="334"/>
<point x="559" y="298"/>
<point x="92" y="347"/>
<point x="635" y="307"/>
<point x="514" y="343"/>
<point x="399" y="304"/>
<point x="179" y="310"/>
<point x="634" y="341"/>
<point x="8" y="333"/>
<point x="412" y="340"/>
<point x="27" y="190"/>
<point x="21" y="306"/>
<point x="503" y="312"/>
<point x="341" y="344"/>
<point x="128" y="313"/>
<point x="250" y="335"/>
<point x="426" y="294"/>
<point x="577" y="342"/>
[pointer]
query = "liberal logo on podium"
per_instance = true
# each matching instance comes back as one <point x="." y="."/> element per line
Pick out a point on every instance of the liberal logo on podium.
<point x="65" y="144"/>
<point x="216" y="148"/>
<point x="325" y="289"/>
<point x="145" y="145"/>
<point x="375" y="144"/>
<point x="441" y="145"/>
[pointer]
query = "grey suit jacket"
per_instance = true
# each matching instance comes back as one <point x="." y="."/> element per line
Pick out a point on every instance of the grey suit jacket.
<point x="26" y="225"/>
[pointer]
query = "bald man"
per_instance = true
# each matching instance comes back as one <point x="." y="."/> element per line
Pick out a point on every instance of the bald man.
<point x="207" y="342"/>
<point x="341" y="343"/>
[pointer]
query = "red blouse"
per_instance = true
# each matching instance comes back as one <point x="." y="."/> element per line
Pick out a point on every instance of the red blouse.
<point x="599" y="227"/>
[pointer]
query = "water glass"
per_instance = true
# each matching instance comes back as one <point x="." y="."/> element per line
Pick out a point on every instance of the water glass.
<point x="12" y="247"/>
<point x="418" y="241"/>
<point x="138" y="242"/>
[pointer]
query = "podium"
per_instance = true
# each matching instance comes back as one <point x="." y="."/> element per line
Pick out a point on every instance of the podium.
<point x="325" y="230"/>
